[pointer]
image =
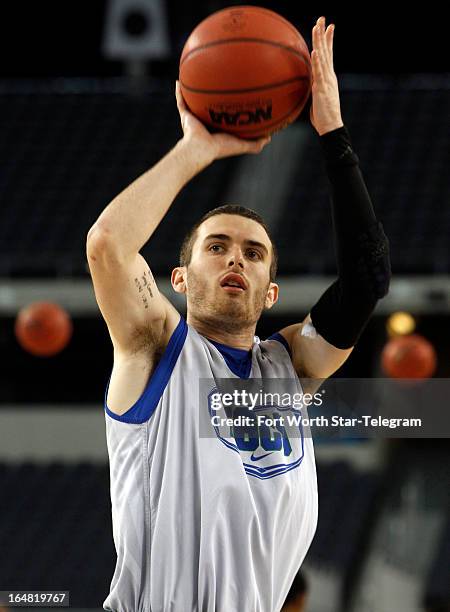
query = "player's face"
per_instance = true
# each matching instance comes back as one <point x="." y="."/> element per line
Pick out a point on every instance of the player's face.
<point x="228" y="278"/>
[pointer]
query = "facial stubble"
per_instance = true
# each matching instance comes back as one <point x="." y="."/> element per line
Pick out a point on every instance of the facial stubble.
<point x="232" y="313"/>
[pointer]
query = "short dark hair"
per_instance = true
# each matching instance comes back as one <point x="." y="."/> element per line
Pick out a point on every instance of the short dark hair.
<point x="299" y="587"/>
<point x="227" y="209"/>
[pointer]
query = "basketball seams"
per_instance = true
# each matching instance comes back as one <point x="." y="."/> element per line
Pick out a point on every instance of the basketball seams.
<point x="244" y="39"/>
<point x="259" y="9"/>
<point x="275" y="16"/>
<point x="247" y="90"/>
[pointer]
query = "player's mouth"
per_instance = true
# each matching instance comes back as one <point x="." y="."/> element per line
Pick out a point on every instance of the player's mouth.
<point x="233" y="283"/>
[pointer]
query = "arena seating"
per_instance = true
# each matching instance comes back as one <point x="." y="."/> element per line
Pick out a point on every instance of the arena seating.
<point x="70" y="504"/>
<point x="55" y="530"/>
<point x="437" y="591"/>
<point x="82" y="141"/>
<point x="347" y="499"/>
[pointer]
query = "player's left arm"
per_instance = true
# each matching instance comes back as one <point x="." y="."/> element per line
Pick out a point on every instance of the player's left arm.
<point x="325" y="339"/>
<point x="313" y="357"/>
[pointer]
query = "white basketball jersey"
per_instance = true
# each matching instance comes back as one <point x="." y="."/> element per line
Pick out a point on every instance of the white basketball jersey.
<point x="199" y="524"/>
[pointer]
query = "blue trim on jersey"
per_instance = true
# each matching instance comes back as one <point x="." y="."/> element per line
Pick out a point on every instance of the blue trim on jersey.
<point x="280" y="338"/>
<point x="238" y="360"/>
<point x="145" y="406"/>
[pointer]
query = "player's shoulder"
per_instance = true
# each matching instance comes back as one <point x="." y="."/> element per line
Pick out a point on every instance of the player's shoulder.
<point x="276" y="342"/>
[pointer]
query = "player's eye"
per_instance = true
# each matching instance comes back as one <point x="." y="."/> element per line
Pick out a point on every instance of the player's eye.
<point x="253" y="254"/>
<point x="215" y="248"/>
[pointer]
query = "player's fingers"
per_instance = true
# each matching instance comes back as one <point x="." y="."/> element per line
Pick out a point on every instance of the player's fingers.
<point x="317" y="47"/>
<point x="326" y="34"/>
<point x="181" y="106"/>
<point x="229" y="145"/>
<point x="241" y="145"/>
<point x="324" y="43"/>
<point x="256" y="146"/>
<point x="315" y="37"/>
<point x="248" y="146"/>
<point x="316" y="67"/>
<point x="329" y="36"/>
<point x="319" y="43"/>
<point x="180" y="102"/>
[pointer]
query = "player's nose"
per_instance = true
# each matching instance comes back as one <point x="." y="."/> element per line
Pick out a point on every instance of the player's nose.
<point x="236" y="258"/>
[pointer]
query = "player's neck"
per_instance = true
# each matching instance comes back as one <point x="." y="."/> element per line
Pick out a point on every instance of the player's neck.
<point x="241" y="338"/>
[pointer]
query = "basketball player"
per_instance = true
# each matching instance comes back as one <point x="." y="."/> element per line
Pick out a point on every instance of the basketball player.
<point x="207" y="523"/>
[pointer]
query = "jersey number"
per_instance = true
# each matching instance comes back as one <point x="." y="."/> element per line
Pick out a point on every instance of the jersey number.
<point x="270" y="438"/>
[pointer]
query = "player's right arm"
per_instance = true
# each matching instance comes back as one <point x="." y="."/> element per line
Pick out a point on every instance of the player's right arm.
<point x="124" y="287"/>
<point x="140" y="320"/>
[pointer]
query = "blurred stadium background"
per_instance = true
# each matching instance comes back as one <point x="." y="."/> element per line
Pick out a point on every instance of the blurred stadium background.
<point x="87" y="105"/>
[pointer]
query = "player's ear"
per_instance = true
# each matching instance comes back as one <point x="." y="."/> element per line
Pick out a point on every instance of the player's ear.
<point x="272" y="295"/>
<point x="178" y="279"/>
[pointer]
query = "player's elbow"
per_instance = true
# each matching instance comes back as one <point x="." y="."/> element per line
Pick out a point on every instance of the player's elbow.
<point x="96" y="238"/>
<point x="99" y="243"/>
<point x="381" y="277"/>
<point x="375" y="265"/>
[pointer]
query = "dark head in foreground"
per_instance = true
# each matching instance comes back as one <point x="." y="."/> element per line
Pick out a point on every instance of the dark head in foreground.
<point x="296" y="599"/>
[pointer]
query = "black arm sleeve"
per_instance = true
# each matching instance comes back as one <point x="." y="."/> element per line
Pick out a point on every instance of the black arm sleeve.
<point x="361" y="246"/>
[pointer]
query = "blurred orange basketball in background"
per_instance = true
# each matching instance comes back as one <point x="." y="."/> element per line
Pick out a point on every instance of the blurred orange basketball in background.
<point x="246" y="70"/>
<point x="411" y="356"/>
<point x="43" y="328"/>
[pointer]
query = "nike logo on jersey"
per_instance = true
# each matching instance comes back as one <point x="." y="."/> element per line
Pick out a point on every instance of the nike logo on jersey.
<point x="253" y="458"/>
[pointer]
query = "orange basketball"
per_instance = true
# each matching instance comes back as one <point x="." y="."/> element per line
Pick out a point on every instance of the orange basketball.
<point x="245" y="70"/>
<point x="43" y="328"/>
<point x="409" y="356"/>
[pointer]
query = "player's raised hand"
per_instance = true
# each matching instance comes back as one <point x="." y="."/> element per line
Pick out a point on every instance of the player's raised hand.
<point x="212" y="146"/>
<point x="325" y="113"/>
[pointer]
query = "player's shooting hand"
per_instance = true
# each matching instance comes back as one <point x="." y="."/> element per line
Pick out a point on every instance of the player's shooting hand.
<point x="212" y="146"/>
<point x="325" y="113"/>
